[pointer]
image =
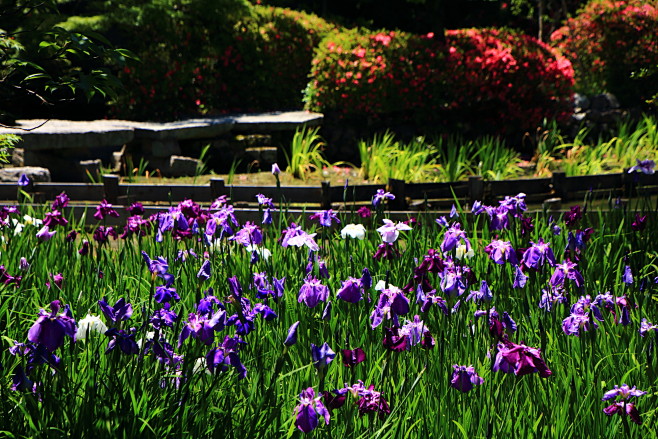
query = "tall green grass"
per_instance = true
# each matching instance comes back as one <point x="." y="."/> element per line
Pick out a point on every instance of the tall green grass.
<point x="95" y="394"/>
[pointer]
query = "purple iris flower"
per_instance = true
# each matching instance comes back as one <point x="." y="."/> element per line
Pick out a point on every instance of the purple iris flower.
<point x="381" y="196"/>
<point x="414" y="331"/>
<point x="454" y="279"/>
<point x="206" y="305"/>
<point x="136" y="208"/>
<point x="538" y="254"/>
<point x="325" y="217"/>
<point x="322" y="355"/>
<point x="20" y="381"/>
<point x="452" y="238"/>
<point x="352" y="357"/>
<point x="515" y="205"/>
<point x="313" y="292"/>
<point x="566" y="270"/>
<point x="61" y="201"/>
<point x="250" y="234"/>
<point x="289" y="233"/>
<point x="577" y="323"/>
<point x="499" y="218"/>
<point x="623" y="392"/>
<point x="50" y="328"/>
<point x="44" y="234"/>
<point x="159" y="267"/>
<point x="520" y="360"/>
<point x="627" y="277"/>
<point x="54" y="218"/>
<point x="426" y="300"/>
<point x="646" y="326"/>
<point x="326" y="312"/>
<point x="291" y="338"/>
<point x="366" y="279"/>
<point x="643" y="166"/>
<point x="464" y="378"/>
<point x="203" y="327"/>
<point x="23" y="180"/>
<point x="165" y="294"/>
<point x="105" y="209"/>
<point x="550" y="298"/>
<point x="163" y="317"/>
<point x="501" y="251"/>
<point x="226" y="354"/>
<point x="204" y="272"/>
<point x="364" y="212"/>
<point x="386" y="251"/>
<point x="482" y="295"/>
<point x="520" y="279"/>
<point x="623" y="407"/>
<point x="351" y="291"/>
<point x="120" y="311"/>
<point x="574" y="215"/>
<point x="391" y="304"/>
<point x="640" y="223"/>
<point x="36" y="355"/>
<point x="303" y="239"/>
<point x="125" y="341"/>
<point x="308" y="410"/>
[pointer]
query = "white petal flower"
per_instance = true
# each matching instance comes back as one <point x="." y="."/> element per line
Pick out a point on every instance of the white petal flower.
<point x="88" y="325"/>
<point x="353" y="231"/>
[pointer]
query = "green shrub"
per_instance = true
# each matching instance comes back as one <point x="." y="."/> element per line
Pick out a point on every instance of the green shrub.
<point x="481" y="80"/>
<point x="609" y="44"/>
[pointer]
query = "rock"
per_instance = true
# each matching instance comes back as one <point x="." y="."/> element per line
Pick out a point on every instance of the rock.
<point x="34" y="173"/>
<point x="180" y="166"/>
<point x="90" y="170"/>
<point x="604" y="102"/>
<point x="580" y="103"/>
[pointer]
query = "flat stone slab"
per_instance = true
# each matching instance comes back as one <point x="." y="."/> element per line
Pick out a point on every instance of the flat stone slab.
<point x="62" y="134"/>
<point x="182" y="130"/>
<point x="275" y="121"/>
<point x="40" y="134"/>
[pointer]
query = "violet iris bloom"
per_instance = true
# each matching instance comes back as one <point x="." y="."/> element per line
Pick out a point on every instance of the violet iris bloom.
<point x="646" y="326"/>
<point x="627" y="277"/>
<point x="308" y="410"/>
<point x="464" y="378"/>
<point x="50" y="328"/>
<point x="501" y="251"/>
<point x="643" y="166"/>
<point x="163" y="317"/>
<point x="226" y="354"/>
<point x="623" y="407"/>
<point x="203" y="327"/>
<point x="351" y="291"/>
<point x="120" y="311"/>
<point x="352" y="357"/>
<point x="54" y="218"/>
<point x="381" y="196"/>
<point x="159" y="267"/>
<point x="165" y="294"/>
<point x="250" y="234"/>
<point x="550" y="298"/>
<point x="322" y="356"/>
<point x="61" y="201"/>
<point x="23" y="180"/>
<point x="482" y="295"/>
<point x="204" y="272"/>
<point x="538" y="254"/>
<point x="520" y="279"/>
<point x="640" y="223"/>
<point x="325" y="217"/>
<point x="105" y="209"/>
<point x="520" y="360"/>
<point x="390" y="230"/>
<point x="313" y="292"/>
<point x="566" y="270"/>
<point x="125" y="341"/>
<point x="391" y="303"/>
<point x="44" y="234"/>
<point x="452" y="238"/>
<point x="371" y="401"/>
<point x="291" y="338"/>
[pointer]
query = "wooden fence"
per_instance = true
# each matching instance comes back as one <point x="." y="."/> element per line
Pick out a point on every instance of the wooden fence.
<point x="409" y="196"/>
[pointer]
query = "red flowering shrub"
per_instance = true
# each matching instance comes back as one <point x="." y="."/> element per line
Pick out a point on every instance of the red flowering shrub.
<point x="487" y="80"/>
<point x="609" y="43"/>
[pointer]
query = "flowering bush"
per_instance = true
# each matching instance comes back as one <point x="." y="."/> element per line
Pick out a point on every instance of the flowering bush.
<point x="190" y="67"/>
<point x="489" y="80"/>
<point x="611" y="43"/>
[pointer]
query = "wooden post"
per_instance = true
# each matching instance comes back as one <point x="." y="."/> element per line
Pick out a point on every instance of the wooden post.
<point x="475" y="188"/>
<point x="396" y="187"/>
<point x="325" y="195"/>
<point x="558" y="182"/>
<point x="111" y="188"/>
<point x="627" y="183"/>
<point x="217" y="188"/>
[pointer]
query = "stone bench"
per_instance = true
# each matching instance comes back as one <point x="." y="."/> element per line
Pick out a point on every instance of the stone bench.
<point x="60" y="145"/>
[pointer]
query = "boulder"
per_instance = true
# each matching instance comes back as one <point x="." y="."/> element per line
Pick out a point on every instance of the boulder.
<point x="34" y="173"/>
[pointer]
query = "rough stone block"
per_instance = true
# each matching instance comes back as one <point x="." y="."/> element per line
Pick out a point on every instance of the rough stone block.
<point x="34" y="173"/>
<point x="180" y="166"/>
<point x="90" y="170"/>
